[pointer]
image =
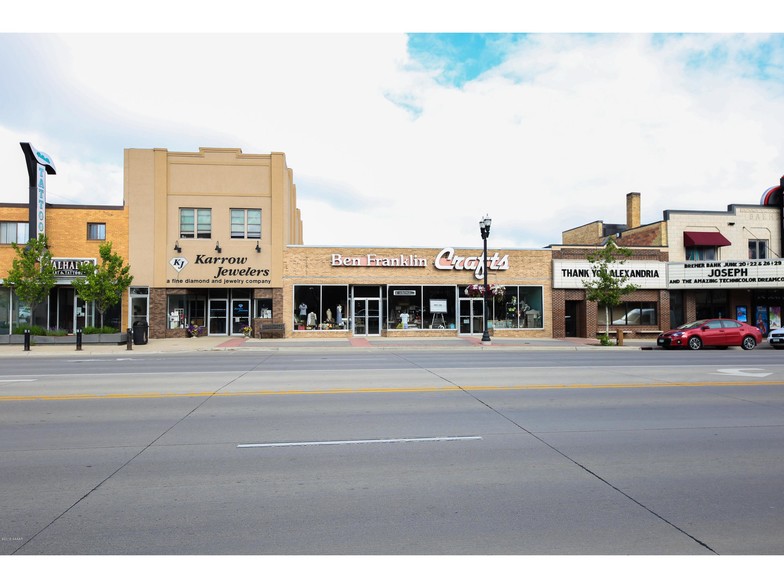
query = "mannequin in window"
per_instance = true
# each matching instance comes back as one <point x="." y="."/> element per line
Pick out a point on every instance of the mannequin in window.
<point x="329" y="315"/>
<point x="404" y="319"/>
<point x="339" y="310"/>
<point x="303" y="312"/>
<point x="312" y="319"/>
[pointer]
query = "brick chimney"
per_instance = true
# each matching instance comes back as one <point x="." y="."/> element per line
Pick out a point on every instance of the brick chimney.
<point x="633" y="210"/>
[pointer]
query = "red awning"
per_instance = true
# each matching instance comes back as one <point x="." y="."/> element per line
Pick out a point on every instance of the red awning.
<point x="704" y="239"/>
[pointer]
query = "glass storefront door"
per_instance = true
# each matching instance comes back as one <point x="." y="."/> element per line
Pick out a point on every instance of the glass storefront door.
<point x="367" y="316"/>
<point x="218" y="323"/>
<point x="472" y="318"/>
<point x="240" y="316"/>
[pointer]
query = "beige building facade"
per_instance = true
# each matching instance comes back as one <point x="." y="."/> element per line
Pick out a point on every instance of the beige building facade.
<point x="216" y="249"/>
<point x="727" y="264"/>
<point x="207" y="237"/>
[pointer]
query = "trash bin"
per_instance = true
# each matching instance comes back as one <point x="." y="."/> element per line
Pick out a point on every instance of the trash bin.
<point x="140" y="332"/>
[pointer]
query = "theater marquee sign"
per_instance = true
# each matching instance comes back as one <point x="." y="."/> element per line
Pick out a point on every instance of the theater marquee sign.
<point x="646" y="275"/>
<point x="744" y="273"/>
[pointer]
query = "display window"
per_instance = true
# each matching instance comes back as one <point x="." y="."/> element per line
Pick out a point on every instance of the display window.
<point x="421" y="307"/>
<point x="630" y="314"/>
<point x="263" y="308"/>
<point x="187" y="311"/>
<point x="517" y="307"/>
<point x="320" y="308"/>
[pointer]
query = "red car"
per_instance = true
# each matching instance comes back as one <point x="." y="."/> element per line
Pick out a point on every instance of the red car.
<point x="719" y="332"/>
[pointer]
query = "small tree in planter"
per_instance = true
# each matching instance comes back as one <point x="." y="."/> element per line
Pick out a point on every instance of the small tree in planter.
<point x="32" y="272"/>
<point x="105" y="283"/>
<point x="606" y="288"/>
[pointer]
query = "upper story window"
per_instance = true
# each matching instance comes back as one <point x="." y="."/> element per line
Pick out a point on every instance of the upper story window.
<point x="195" y="223"/>
<point x="701" y="253"/>
<point x="14" y="232"/>
<point x="96" y="231"/>
<point x="758" y="249"/>
<point x="246" y="223"/>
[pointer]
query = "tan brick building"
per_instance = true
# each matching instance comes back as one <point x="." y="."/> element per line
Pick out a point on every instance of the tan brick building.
<point x="410" y="291"/>
<point x="641" y="314"/>
<point x="75" y="233"/>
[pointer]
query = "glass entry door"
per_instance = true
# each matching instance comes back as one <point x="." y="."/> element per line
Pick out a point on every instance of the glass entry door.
<point x="367" y="316"/>
<point x="217" y="320"/>
<point x="472" y="318"/>
<point x="240" y="316"/>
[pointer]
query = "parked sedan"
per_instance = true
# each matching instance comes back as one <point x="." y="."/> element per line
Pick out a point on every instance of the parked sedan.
<point x="711" y="333"/>
<point x="776" y="338"/>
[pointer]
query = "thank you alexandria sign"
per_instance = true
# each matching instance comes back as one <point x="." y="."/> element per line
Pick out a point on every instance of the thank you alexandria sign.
<point x="646" y="275"/>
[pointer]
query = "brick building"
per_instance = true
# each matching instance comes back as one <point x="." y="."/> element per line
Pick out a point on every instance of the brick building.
<point x="75" y="233"/>
<point x="643" y="313"/>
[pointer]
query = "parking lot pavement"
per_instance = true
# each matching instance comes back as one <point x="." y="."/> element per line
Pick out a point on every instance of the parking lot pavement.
<point x="176" y="345"/>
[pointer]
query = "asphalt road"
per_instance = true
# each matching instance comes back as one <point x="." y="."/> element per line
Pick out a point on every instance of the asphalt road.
<point x="429" y="452"/>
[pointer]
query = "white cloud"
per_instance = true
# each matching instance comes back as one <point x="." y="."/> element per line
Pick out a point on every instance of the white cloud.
<point x="382" y="155"/>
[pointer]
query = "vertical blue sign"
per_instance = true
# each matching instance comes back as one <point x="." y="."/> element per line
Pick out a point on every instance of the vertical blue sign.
<point x="39" y="164"/>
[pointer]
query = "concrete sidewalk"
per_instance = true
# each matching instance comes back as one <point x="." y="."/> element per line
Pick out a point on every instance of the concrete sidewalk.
<point x="193" y="344"/>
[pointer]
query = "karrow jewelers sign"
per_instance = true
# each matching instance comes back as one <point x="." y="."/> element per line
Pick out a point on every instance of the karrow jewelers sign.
<point x="219" y="270"/>
<point x="446" y="259"/>
<point x="743" y="273"/>
<point x="646" y="275"/>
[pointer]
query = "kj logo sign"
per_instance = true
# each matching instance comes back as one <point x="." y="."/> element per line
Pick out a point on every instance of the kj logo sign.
<point x="178" y="263"/>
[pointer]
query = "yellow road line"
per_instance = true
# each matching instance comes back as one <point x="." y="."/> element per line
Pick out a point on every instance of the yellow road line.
<point x="158" y="395"/>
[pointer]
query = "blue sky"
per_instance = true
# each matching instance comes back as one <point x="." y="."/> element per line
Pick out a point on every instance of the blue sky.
<point x="410" y="138"/>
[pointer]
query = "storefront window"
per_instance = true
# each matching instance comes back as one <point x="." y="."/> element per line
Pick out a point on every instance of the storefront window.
<point x="320" y="307"/>
<point x="263" y="308"/>
<point x="630" y="314"/>
<point x="517" y="307"/>
<point x="438" y="307"/>
<point x="185" y="310"/>
<point x="711" y="304"/>
<point x="405" y="307"/>
<point x="5" y="311"/>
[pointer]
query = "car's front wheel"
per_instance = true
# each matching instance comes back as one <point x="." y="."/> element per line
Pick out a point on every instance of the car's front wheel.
<point x="695" y="343"/>
<point x="748" y="343"/>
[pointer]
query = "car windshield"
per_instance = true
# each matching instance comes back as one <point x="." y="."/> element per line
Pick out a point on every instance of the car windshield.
<point x="690" y="325"/>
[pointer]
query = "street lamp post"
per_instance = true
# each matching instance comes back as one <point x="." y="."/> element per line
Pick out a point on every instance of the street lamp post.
<point x="484" y="229"/>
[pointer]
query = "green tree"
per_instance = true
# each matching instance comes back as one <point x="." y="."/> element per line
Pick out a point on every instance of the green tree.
<point x="104" y="283"/>
<point x="32" y="272"/>
<point x="607" y="288"/>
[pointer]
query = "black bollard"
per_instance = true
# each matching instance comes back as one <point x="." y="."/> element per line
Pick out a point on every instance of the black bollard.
<point x="27" y="340"/>
<point x="130" y="340"/>
<point x="78" y="339"/>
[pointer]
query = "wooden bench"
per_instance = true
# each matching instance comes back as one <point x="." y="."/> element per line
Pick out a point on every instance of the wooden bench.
<point x="271" y="330"/>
